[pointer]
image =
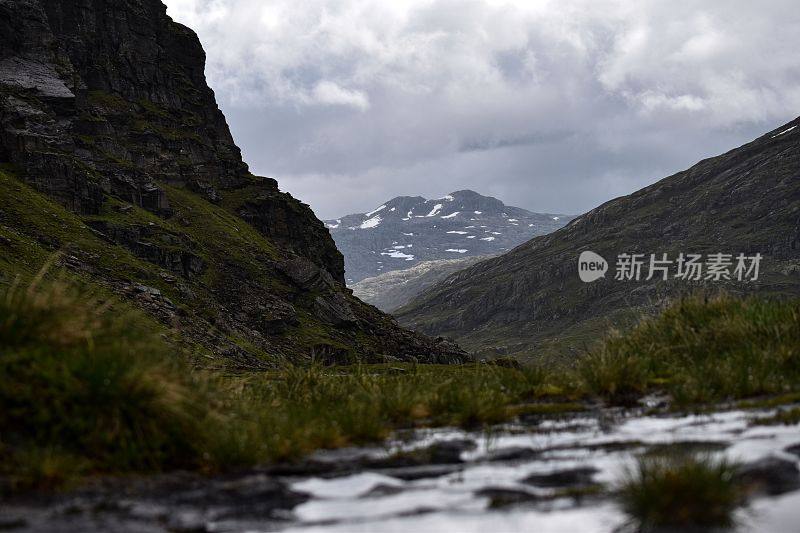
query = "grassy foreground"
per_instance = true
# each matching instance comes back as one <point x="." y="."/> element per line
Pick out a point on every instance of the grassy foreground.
<point x="89" y="387"/>
<point x="701" y="350"/>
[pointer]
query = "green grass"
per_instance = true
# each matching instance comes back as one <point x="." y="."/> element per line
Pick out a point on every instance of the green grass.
<point x="91" y="387"/>
<point x="702" y="350"/>
<point x="680" y="492"/>
<point x="86" y="388"/>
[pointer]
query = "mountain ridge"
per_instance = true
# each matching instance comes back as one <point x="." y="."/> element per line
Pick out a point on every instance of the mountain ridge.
<point x="530" y="302"/>
<point x="407" y="230"/>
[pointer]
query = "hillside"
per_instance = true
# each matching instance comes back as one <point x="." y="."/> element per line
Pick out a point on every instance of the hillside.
<point x="407" y="230"/>
<point x="393" y="289"/>
<point x="114" y="154"/>
<point x="530" y="302"/>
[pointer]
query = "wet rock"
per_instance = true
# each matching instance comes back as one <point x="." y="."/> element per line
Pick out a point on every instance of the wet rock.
<point x="689" y="447"/>
<point x="8" y="523"/>
<point x="504" y="497"/>
<point x="512" y="453"/>
<point x="573" y="477"/>
<point x="439" y="453"/>
<point x="379" y="491"/>
<point x="616" y="446"/>
<point x="771" y="475"/>
<point x="449" y="451"/>
<point x="178" y="502"/>
<point x="413" y="473"/>
<point x="794" y="449"/>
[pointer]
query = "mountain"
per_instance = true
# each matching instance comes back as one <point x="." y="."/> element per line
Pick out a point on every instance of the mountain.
<point x="114" y="153"/>
<point x="410" y="229"/>
<point x="395" y="288"/>
<point x="530" y="302"/>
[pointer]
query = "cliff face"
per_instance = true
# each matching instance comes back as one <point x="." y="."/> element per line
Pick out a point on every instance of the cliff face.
<point x="105" y="112"/>
<point x="530" y="302"/>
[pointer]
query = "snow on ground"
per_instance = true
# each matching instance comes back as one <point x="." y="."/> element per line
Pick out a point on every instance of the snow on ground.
<point x="458" y="251"/>
<point x="371" y="223"/>
<point x="447" y="198"/>
<point x="334" y="226"/>
<point x="408" y="234"/>
<point x="487" y="238"/>
<point x="398" y="255"/>
<point x="787" y="130"/>
<point x="478" y="212"/>
<point x="555" y="218"/>
<point x="435" y="210"/>
<point x="458" y="232"/>
<point x="470" y="236"/>
<point x="451" y="215"/>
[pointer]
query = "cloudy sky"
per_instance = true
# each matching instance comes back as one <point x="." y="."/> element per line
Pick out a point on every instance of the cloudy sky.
<point x="553" y="106"/>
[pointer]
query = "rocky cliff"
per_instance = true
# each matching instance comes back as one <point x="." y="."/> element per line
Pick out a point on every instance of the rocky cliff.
<point x="531" y="302"/>
<point x="113" y="151"/>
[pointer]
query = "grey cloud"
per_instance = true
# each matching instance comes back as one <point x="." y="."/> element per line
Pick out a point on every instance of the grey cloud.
<point x="476" y="145"/>
<point x="553" y="106"/>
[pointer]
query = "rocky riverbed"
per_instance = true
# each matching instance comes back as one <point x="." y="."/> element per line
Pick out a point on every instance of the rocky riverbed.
<point x="539" y="474"/>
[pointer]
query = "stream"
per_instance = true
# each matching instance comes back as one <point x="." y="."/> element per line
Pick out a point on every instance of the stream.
<point x="540" y="474"/>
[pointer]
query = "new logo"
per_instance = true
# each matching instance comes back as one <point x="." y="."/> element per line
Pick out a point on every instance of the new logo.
<point x="591" y="266"/>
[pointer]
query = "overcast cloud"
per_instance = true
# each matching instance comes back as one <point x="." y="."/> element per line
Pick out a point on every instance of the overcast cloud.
<point x="552" y="106"/>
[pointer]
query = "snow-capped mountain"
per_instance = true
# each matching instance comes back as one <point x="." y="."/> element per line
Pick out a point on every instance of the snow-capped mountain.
<point x="409" y="229"/>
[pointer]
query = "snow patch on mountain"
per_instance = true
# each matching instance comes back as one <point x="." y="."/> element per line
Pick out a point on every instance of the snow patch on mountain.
<point x="435" y="210"/>
<point x="395" y="254"/>
<point x="787" y="130"/>
<point x="371" y="223"/>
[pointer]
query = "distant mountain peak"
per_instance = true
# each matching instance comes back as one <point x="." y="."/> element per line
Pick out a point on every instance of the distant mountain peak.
<point x="405" y="230"/>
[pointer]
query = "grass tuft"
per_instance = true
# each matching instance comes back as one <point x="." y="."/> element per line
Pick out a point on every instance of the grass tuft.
<point x="85" y="389"/>
<point x="702" y="350"/>
<point x="680" y="492"/>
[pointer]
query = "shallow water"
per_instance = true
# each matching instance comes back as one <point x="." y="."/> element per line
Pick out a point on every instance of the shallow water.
<point x="373" y="501"/>
<point x="477" y="485"/>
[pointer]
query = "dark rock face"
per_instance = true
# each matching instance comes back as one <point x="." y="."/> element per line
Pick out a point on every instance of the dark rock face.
<point x="531" y="301"/>
<point x="105" y="110"/>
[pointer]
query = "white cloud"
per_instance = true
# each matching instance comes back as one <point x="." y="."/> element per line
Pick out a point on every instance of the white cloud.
<point x="328" y="92"/>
